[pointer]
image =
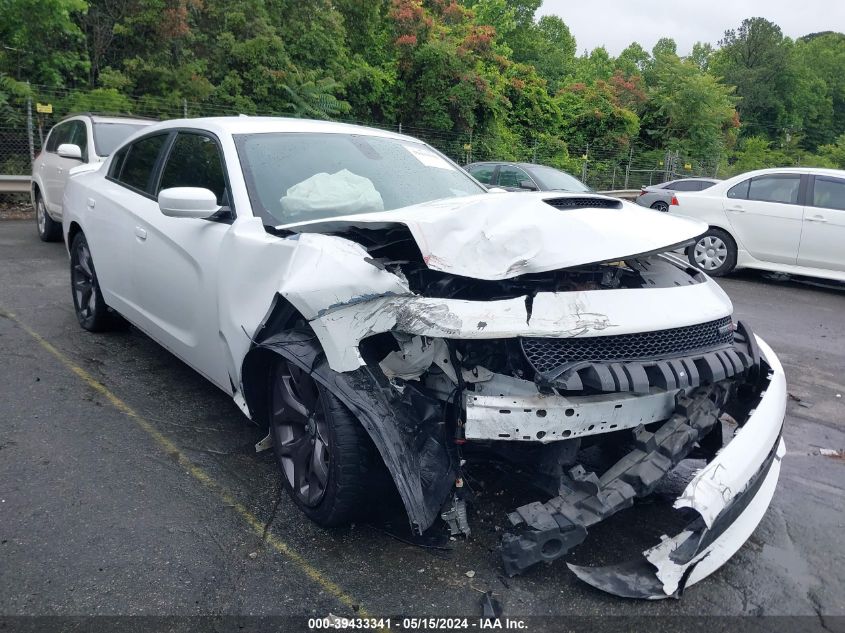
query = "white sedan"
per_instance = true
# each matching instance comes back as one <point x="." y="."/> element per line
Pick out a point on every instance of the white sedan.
<point x="789" y="220"/>
<point x="392" y="324"/>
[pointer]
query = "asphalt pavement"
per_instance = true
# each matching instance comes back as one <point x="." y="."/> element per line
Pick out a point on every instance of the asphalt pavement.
<point x="130" y="486"/>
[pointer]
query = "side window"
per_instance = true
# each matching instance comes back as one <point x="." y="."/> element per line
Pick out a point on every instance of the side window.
<point x="117" y="162"/>
<point x="705" y="184"/>
<point x="829" y="193"/>
<point x="58" y="135"/>
<point x="79" y="136"/>
<point x="511" y="176"/>
<point x="685" y="185"/>
<point x="139" y="163"/>
<point x="740" y="191"/>
<point x="194" y="161"/>
<point x="483" y="173"/>
<point x="775" y="188"/>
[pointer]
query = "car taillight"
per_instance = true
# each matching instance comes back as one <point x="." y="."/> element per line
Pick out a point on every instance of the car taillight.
<point x="642" y="191"/>
<point x="674" y="202"/>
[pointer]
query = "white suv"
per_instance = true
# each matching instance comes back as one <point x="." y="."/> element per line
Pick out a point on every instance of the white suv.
<point x="77" y="140"/>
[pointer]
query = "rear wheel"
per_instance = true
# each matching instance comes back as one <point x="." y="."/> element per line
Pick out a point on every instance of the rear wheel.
<point x="714" y="253"/>
<point x="326" y="457"/>
<point x="660" y="206"/>
<point x="48" y="229"/>
<point x="91" y="310"/>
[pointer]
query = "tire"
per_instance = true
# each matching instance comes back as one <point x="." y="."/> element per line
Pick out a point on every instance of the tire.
<point x="48" y="229"/>
<point x="328" y="462"/>
<point x="91" y="310"/>
<point x="714" y="252"/>
<point x="660" y="206"/>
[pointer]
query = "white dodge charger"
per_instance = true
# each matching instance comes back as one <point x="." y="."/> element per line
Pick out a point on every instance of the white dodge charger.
<point x="392" y="324"/>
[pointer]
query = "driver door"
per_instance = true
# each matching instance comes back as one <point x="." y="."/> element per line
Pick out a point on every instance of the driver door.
<point x="176" y="260"/>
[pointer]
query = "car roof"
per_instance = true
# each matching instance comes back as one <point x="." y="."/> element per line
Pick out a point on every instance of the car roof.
<point x="109" y="118"/>
<point x="510" y="162"/>
<point x="824" y="171"/>
<point x="263" y="125"/>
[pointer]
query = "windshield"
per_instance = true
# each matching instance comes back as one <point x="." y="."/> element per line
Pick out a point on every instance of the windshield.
<point x="560" y="180"/>
<point x="296" y="177"/>
<point x="107" y="136"/>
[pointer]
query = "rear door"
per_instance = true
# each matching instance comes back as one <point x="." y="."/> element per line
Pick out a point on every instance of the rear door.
<point x="766" y="216"/>
<point x="823" y="235"/>
<point x="175" y="261"/>
<point x="126" y="191"/>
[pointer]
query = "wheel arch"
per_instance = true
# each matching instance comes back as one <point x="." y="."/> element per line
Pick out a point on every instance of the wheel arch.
<point x="423" y="471"/>
<point x="73" y="230"/>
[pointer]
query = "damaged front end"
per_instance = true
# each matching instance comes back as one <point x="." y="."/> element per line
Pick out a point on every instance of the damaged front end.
<point x="533" y="364"/>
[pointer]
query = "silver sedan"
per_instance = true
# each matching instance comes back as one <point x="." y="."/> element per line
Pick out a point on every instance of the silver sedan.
<point x="659" y="197"/>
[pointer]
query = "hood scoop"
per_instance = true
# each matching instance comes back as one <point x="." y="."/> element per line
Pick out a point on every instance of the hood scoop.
<point x="504" y="235"/>
<point x="584" y="203"/>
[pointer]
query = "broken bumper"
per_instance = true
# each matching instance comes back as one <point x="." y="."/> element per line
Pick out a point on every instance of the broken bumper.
<point x="730" y="495"/>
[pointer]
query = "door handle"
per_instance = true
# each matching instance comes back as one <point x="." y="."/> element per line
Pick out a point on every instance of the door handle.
<point x="91" y="203"/>
<point x="140" y="233"/>
<point x="736" y="209"/>
<point x="817" y="218"/>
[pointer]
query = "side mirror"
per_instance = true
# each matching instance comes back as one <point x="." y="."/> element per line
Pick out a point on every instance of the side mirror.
<point x="69" y="150"/>
<point x="527" y="184"/>
<point x="187" y="202"/>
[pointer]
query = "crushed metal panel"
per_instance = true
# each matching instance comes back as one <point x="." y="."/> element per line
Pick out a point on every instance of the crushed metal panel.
<point x="510" y="234"/>
<point x="550" y="418"/>
<point x="554" y="315"/>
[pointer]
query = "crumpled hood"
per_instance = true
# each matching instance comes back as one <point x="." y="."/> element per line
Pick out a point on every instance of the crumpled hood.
<point x="502" y="235"/>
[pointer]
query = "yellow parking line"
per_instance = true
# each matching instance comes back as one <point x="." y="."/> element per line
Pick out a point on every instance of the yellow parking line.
<point x="195" y="471"/>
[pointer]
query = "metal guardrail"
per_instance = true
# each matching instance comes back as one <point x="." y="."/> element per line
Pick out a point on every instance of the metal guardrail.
<point x="15" y="184"/>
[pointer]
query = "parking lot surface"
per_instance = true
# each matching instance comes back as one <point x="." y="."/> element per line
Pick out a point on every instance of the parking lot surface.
<point x="130" y="485"/>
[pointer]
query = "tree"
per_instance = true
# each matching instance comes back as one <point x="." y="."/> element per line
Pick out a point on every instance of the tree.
<point x="701" y="54"/>
<point x="756" y="59"/>
<point x="41" y="41"/>
<point x="688" y="109"/>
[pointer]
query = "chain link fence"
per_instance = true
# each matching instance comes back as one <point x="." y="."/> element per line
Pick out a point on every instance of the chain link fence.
<point x="602" y="167"/>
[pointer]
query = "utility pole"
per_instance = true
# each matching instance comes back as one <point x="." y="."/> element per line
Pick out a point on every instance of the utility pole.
<point x="628" y="168"/>
<point x="184" y="108"/>
<point x="29" y="134"/>
<point x="584" y="166"/>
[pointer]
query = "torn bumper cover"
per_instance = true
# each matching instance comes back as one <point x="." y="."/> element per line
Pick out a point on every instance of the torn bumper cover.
<point x="730" y="496"/>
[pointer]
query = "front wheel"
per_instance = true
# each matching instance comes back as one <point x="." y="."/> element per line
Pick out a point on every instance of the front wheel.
<point x="714" y="253"/>
<point x="328" y="461"/>
<point x="48" y="229"/>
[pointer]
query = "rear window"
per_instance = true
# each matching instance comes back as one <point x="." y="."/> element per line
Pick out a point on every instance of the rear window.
<point x="107" y="136"/>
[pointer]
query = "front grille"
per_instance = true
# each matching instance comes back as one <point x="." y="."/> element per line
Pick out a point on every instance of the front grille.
<point x="546" y="354"/>
<point x="583" y="203"/>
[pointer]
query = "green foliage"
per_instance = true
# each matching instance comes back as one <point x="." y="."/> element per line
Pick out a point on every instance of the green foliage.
<point x="688" y="110"/>
<point x="478" y="78"/>
<point x="834" y="153"/>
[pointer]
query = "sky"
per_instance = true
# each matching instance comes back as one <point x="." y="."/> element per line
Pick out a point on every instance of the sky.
<point x="616" y="23"/>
